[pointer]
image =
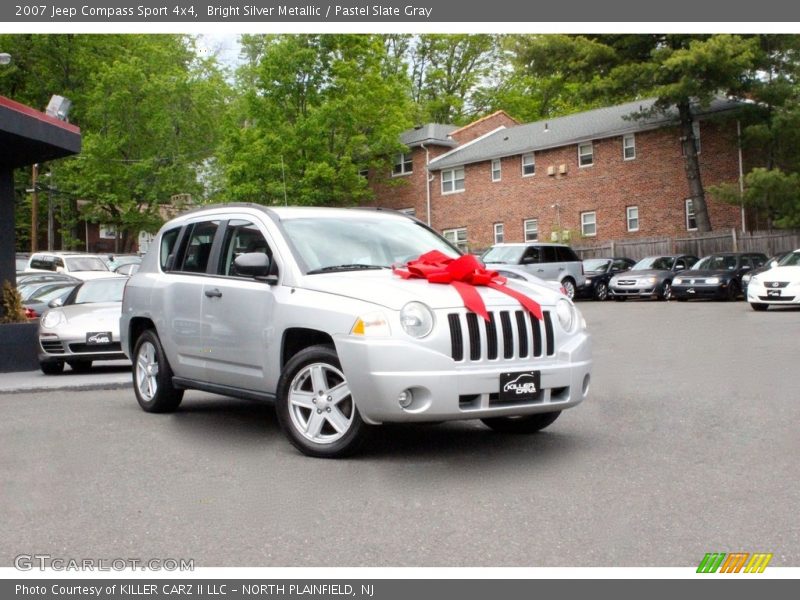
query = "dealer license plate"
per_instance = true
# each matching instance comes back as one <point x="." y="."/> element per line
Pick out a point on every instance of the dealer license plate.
<point x="774" y="293"/>
<point x="520" y="386"/>
<point x="96" y="338"/>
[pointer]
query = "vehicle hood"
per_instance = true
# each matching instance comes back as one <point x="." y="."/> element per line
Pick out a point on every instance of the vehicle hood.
<point x="646" y="273"/>
<point x="86" y="275"/>
<point x="100" y="316"/>
<point x="386" y="289"/>
<point x="780" y="274"/>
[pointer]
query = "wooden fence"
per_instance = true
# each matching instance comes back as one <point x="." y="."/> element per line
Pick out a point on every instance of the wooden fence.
<point x="699" y="244"/>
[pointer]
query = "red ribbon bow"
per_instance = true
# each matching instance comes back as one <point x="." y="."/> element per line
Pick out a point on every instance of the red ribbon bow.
<point x="464" y="274"/>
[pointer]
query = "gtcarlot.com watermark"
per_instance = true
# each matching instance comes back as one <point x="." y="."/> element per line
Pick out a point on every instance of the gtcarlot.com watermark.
<point x="44" y="562"/>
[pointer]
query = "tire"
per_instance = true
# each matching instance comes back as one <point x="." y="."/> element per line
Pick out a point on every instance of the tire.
<point x="523" y="424"/>
<point x="733" y="292"/>
<point x="569" y="287"/>
<point x="758" y="306"/>
<point x="52" y="368"/>
<point x="315" y="408"/>
<point x="80" y="366"/>
<point x="620" y="298"/>
<point x="666" y="291"/>
<point x="152" y="376"/>
<point x="601" y="291"/>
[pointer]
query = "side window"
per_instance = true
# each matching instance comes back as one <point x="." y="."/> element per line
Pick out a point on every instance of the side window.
<point x="240" y="237"/>
<point x="566" y="255"/>
<point x="531" y="256"/>
<point x="549" y="254"/>
<point x="620" y="265"/>
<point x="198" y="247"/>
<point x="167" y="248"/>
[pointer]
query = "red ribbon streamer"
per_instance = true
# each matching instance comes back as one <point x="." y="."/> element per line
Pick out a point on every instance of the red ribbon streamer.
<point x="464" y="274"/>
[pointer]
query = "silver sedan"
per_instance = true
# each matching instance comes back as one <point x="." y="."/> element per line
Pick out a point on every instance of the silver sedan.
<point x="84" y="329"/>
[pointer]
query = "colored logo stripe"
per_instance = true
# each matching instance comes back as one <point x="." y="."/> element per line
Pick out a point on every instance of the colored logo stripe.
<point x="758" y="563"/>
<point x="711" y="562"/>
<point x="734" y="562"/>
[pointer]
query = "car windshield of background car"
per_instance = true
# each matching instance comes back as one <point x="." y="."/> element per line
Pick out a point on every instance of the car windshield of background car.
<point x="595" y="264"/>
<point x="659" y="263"/>
<point x="716" y="263"/>
<point x="790" y="260"/>
<point x="99" y="290"/>
<point x="509" y="255"/>
<point x="86" y="263"/>
<point x="327" y="243"/>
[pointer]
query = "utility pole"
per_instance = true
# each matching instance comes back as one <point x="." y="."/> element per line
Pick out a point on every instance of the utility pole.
<point x="35" y="209"/>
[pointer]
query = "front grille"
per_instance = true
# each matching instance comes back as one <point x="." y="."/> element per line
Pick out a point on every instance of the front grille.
<point x="627" y="282"/>
<point x="777" y="298"/>
<point x="91" y="348"/>
<point x="516" y="334"/>
<point x="52" y="346"/>
<point x="775" y="285"/>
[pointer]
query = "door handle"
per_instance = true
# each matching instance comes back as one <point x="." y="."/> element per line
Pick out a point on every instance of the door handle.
<point x="215" y="293"/>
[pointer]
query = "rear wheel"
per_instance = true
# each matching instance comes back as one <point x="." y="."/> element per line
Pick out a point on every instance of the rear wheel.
<point x="315" y="407"/>
<point x="601" y="291"/>
<point x="758" y="306"/>
<point x="52" y="368"/>
<point x="152" y="376"/>
<point x="522" y="424"/>
<point x="80" y="366"/>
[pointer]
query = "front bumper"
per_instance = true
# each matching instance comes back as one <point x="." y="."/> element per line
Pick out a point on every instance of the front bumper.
<point x="715" y="291"/>
<point x="757" y="293"/>
<point x="637" y="290"/>
<point x="53" y="348"/>
<point x="443" y="389"/>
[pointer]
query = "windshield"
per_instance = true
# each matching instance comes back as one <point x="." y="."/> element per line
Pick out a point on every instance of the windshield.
<point x="660" y="263"/>
<point x="509" y="255"/>
<point x="86" y="263"/>
<point x="790" y="260"/>
<point x="100" y="290"/>
<point x="596" y="264"/>
<point x="352" y="243"/>
<point x="715" y="262"/>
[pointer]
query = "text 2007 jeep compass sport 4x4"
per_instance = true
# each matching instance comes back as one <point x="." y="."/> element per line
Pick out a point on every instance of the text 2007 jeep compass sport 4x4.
<point x="346" y="319"/>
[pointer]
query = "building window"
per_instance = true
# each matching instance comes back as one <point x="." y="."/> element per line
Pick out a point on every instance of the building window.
<point x="496" y="172"/>
<point x="589" y="224"/>
<point x="528" y="165"/>
<point x="628" y="147"/>
<point x="499" y="233"/>
<point x="531" y="230"/>
<point x="585" y="154"/>
<point x="453" y="180"/>
<point x="403" y="164"/>
<point x="107" y="232"/>
<point x="632" y="213"/>
<point x="411" y="212"/>
<point x="457" y="237"/>
<point x="691" y="221"/>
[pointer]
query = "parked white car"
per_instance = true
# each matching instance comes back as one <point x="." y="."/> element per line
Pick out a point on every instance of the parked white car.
<point x="779" y="286"/>
<point x="302" y="307"/>
<point x="80" y="265"/>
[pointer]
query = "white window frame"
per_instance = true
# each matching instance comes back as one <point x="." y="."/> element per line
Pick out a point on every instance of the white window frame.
<point x="453" y="180"/>
<point x="401" y="160"/>
<point x="585" y="223"/>
<point x="628" y="146"/>
<point x="533" y="230"/>
<point x="499" y="233"/>
<point x="689" y="213"/>
<point x="524" y="164"/>
<point x="458" y="237"/>
<point x="497" y="170"/>
<point x="582" y="154"/>
<point x="629" y="217"/>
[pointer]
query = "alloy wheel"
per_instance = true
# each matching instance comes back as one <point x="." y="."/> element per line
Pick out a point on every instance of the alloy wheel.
<point x="320" y="404"/>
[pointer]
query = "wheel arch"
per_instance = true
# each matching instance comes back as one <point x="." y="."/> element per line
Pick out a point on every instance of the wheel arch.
<point x="136" y="327"/>
<point x="296" y="339"/>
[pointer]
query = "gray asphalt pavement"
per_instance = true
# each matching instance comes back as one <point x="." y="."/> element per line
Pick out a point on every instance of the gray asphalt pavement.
<point x="688" y="444"/>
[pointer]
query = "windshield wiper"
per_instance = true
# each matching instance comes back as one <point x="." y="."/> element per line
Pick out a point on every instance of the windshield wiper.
<point x="349" y="267"/>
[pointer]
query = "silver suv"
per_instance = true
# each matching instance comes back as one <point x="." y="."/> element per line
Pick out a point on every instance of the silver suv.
<point x="551" y="262"/>
<point x="301" y="306"/>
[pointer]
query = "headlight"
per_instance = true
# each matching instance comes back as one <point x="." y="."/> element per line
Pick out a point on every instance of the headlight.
<point x="677" y="281"/>
<point x="416" y="319"/>
<point x="588" y="280"/>
<point x="52" y="318"/>
<point x="567" y="315"/>
<point x="371" y="324"/>
<point x="650" y="279"/>
<point x="712" y="280"/>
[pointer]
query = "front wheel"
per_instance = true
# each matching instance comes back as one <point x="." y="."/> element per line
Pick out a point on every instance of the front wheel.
<point x="52" y="368"/>
<point x="733" y="292"/>
<point x="152" y="376"/>
<point x="601" y="291"/>
<point x="666" y="291"/>
<point x="522" y="424"/>
<point x="569" y="287"/>
<point x="758" y="306"/>
<point x="315" y="407"/>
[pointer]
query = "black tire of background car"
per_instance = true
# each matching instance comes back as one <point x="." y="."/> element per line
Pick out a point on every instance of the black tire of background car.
<point x="355" y="436"/>
<point x="733" y="291"/>
<point x="52" y="368"/>
<point x="569" y="286"/>
<point x="620" y="298"/>
<point x="80" y="366"/>
<point x="601" y="291"/>
<point x="758" y="306"/>
<point x="523" y="424"/>
<point x="167" y="398"/>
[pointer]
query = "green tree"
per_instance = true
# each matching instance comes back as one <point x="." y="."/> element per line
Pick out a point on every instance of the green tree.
<point x="316" y="110"/>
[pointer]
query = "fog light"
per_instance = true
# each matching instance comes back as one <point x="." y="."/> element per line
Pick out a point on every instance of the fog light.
<point x="405" y="399"/>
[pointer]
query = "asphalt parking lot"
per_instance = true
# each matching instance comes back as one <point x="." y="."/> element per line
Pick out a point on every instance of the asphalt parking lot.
<point x="688" y="444"/>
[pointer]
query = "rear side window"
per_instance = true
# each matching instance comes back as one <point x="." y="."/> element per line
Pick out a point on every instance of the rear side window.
<point x="566" y="254"/>
<point x="46" y="263"/>
<point x="549" y="254"/>
<point x="167" y="248"/>
<point x="198" y="247"/>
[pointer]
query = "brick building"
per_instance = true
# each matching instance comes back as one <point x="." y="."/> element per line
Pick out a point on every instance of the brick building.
<point x="593" y="176"/>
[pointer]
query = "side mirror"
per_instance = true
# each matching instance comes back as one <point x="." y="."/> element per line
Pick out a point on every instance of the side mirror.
<point x="255" y="264"/>
<point x="55" y="303"/>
